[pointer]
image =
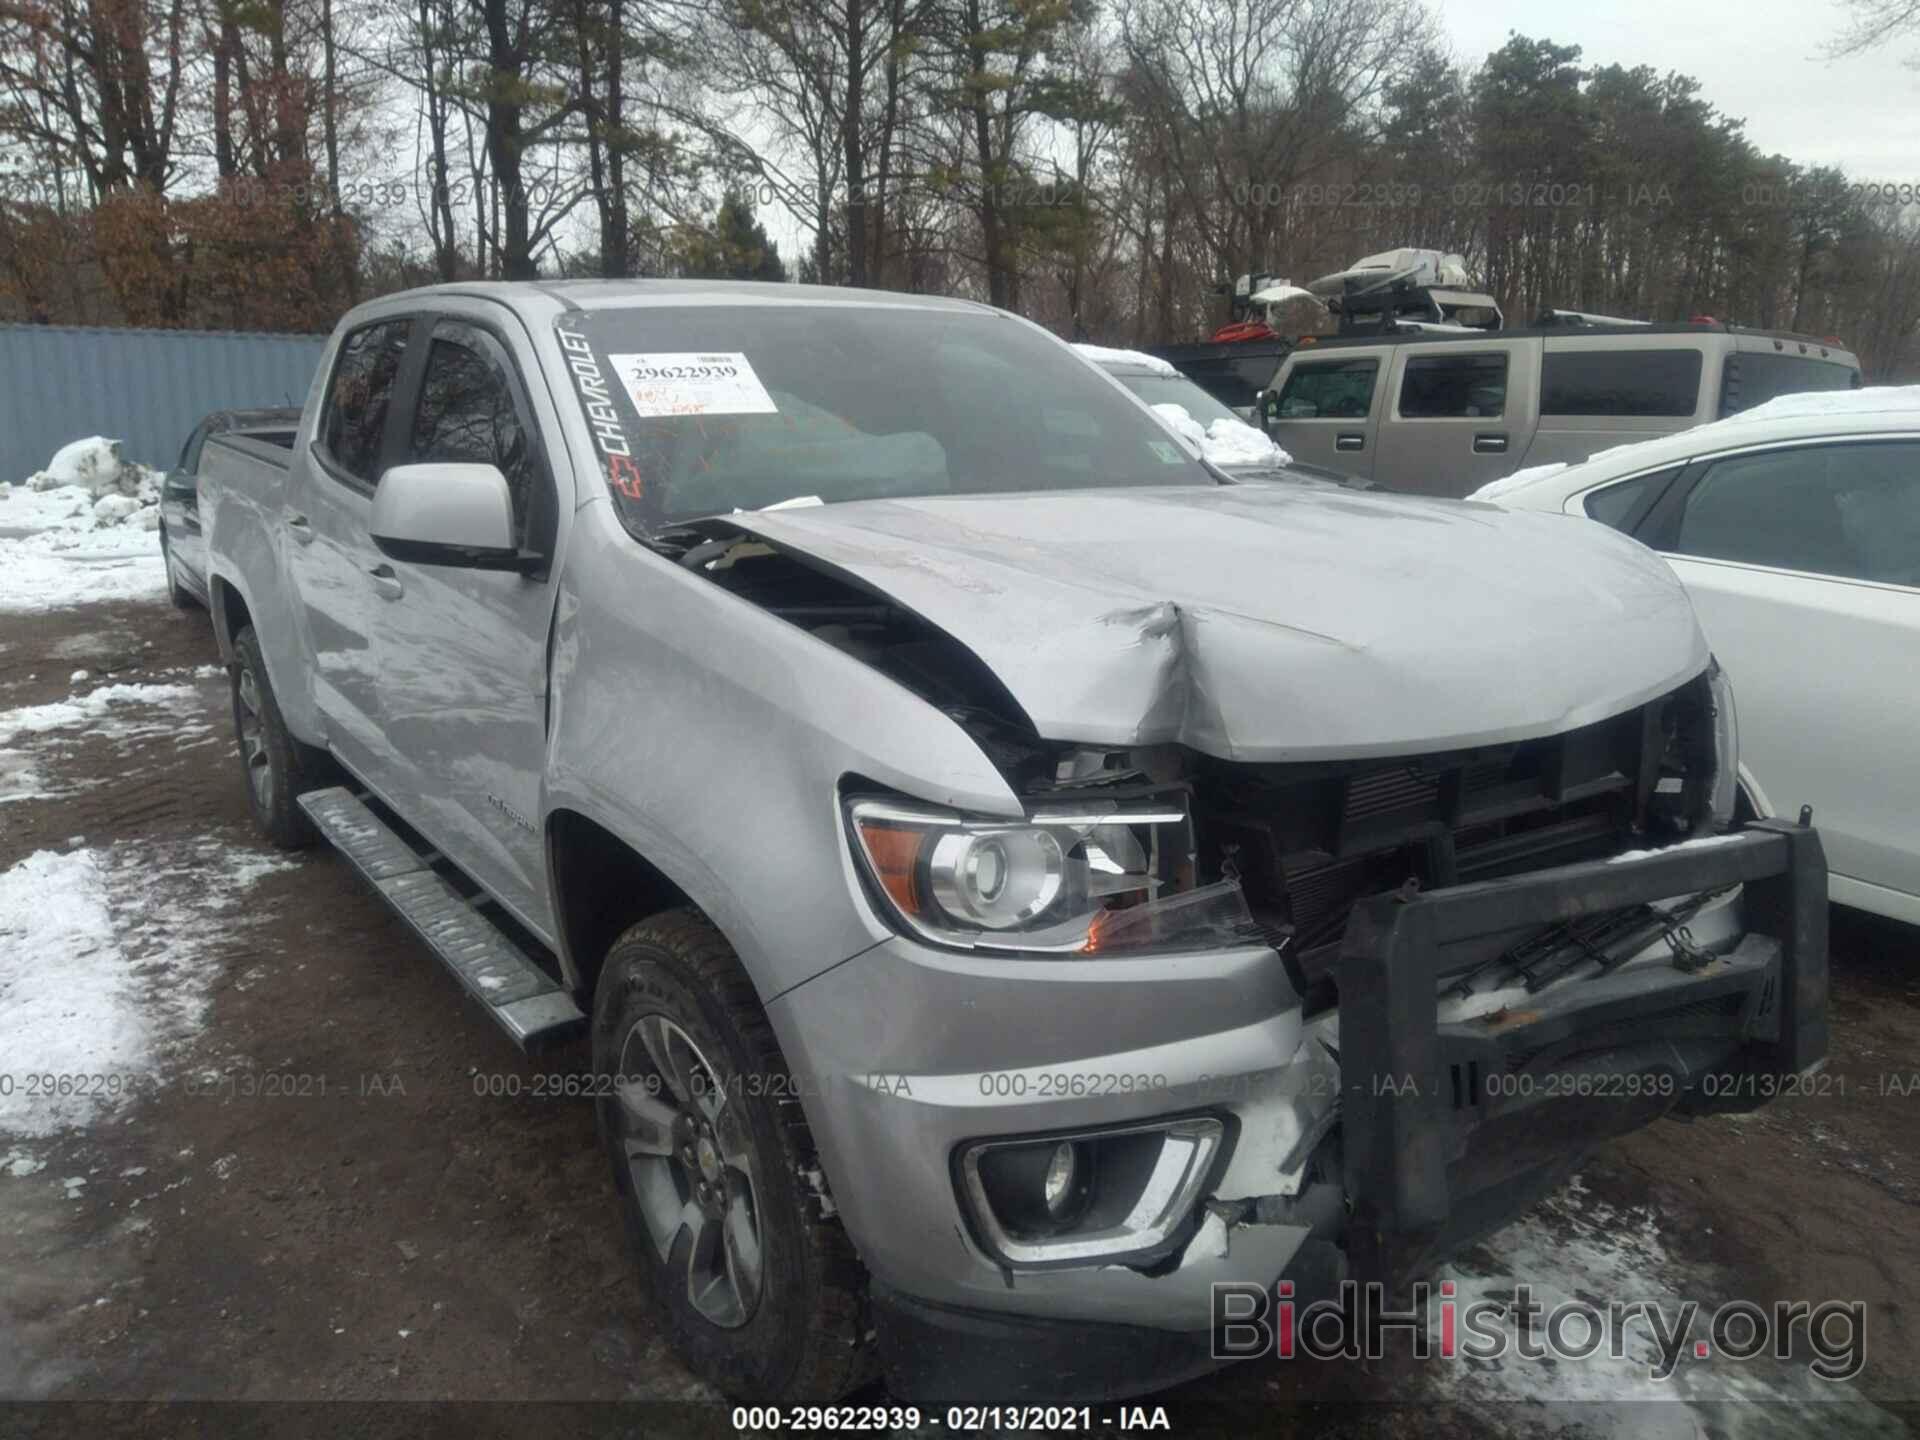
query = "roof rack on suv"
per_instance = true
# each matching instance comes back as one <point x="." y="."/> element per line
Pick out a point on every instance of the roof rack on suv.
<point x="1399" y="291"/>
<point x="1548" y="319"/>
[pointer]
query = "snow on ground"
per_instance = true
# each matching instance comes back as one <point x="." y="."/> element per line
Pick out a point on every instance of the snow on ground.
<point x="94" y="705"/>
<point x="1225" y="442"/>
<point x="118" y="713"/>
<point x="1575" y="1248"/>
<point x="19" y="777"/>
<point x="80" y="531"/>
<point x="106" y="955"/>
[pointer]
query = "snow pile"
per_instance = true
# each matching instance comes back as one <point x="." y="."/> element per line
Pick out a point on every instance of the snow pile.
<point x="1234" y="442"/>
<point x="1872" y="400"/>
<point x="81" y="531"/>
<point x="93" y="464"/>
<point x="1101" y="355"/>
<point x="1226" y="442"/>
<point x="106" y="957"/>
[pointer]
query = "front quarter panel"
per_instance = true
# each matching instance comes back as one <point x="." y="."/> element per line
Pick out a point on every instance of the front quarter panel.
<point x="712" y="737"/>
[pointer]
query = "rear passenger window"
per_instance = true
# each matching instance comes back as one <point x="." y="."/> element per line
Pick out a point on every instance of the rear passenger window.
<point x="1754" y="377"/>
<point x="467" y="413"/>
<point x="1847" y="510"/>
<point x="357" y="397"/>
<point x="1329" y="390"/>
<point x="1620" y="382"/>
<point x="1622" y="505"/>
<point x="1443" y="386"/>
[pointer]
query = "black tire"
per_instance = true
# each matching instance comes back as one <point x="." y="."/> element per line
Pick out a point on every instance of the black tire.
<point x="277" y="768"/>
<point x="794" y="1335"/>
<point x="182" y="599"/>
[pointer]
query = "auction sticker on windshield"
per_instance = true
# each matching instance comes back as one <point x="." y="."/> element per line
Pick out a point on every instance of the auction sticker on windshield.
<point x="684" y="383"/>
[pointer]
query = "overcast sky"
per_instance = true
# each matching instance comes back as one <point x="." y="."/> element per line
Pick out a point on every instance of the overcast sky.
<point x="1757" y="60"/>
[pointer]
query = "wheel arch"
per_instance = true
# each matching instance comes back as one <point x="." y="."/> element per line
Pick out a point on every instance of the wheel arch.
<point x="230" y="613"/>
<point x="601" y="886"/>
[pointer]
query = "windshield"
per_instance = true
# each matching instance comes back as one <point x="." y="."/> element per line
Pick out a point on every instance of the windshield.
<point x="703" y="410"/>
<point x="1178" y="390"/>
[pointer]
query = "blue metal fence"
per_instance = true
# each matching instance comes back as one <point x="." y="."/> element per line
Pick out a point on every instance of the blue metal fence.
<point x="145" y="388"/>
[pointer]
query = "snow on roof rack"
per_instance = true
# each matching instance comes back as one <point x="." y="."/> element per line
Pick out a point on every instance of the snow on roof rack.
<point x="1550" y="318"/>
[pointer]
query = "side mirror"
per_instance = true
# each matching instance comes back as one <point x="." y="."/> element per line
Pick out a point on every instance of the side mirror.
<point x="444" y="513"/>
<point x="1262" y="416"/>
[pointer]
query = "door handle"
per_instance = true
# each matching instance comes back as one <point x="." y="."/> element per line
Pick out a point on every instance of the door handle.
<point x="1489" y="444"/>
<point x="298" y="527"/>
<point x="1350" y="442"/>
<point x="386" y="583"/>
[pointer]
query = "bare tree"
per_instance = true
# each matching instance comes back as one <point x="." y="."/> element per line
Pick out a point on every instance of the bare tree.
<point x="1257" y="96"/>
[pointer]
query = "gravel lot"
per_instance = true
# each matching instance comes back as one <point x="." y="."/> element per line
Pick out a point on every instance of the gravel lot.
<point x="378" y="1231"/>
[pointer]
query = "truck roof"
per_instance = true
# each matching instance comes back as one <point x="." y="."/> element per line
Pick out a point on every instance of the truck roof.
<point x="596" y="294"/>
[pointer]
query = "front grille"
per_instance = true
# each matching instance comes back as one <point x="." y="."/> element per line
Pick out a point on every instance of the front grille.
<point x="1309" y="841"/>
<point x="1318" y="896"/>
<point x="1389" y="792"/>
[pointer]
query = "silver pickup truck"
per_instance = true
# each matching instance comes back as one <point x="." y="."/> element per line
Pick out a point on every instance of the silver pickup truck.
<point x="1011" y="878"/>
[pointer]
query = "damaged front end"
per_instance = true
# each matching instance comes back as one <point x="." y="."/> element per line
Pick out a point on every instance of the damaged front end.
<point x="1191" y="1017"/>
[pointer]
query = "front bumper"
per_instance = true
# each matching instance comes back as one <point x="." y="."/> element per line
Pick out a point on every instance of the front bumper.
<point x="1438" y="1120"/>
<point x="908" y="1053"/>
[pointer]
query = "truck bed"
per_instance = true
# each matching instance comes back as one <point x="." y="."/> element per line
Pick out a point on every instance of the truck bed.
<point x="242" y="493"/>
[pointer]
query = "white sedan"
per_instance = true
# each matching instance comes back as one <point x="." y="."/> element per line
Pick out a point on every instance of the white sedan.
<point x="1796" y="528"/>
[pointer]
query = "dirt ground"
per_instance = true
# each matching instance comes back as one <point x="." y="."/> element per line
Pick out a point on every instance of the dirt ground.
<point x="385" y="1233"/>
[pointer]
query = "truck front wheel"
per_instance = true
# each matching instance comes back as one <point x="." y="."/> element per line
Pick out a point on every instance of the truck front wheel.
<point x="758" y="1286"/>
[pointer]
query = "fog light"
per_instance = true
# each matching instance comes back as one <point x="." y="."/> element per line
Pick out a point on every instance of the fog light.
<point x="1122" y="1196"/>
<point x="1063" y="1173"/>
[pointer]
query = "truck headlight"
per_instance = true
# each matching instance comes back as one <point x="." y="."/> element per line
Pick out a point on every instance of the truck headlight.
<point x="1104" y="876"/>
<point x="1699" y="775"/>
<point x="1726" y="747"/>
<point x="997" y="879"/>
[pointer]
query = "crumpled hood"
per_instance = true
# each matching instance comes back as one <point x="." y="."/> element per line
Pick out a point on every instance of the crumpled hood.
<point x="1274" y="622"/>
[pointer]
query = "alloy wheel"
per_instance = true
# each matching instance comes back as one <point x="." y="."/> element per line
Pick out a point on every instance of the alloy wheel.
<point x="253" y="740"/>
<point x="690" y="1157"/>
